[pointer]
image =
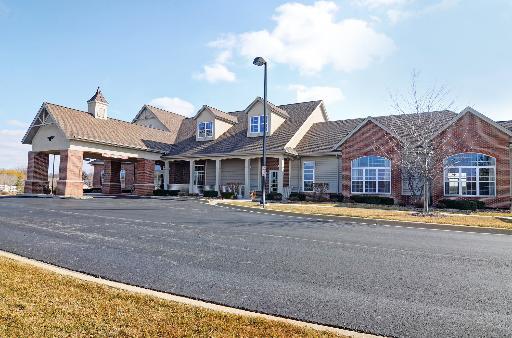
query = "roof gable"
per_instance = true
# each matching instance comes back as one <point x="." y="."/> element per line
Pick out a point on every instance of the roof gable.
<point x="218" y="114"/>
<point x="273" y="108"/>
<point x="469" y="110"/>
<point x="169" y="120"/>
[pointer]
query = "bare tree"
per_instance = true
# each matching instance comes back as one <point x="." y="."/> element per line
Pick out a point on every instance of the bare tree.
<point x="413" y="129"/>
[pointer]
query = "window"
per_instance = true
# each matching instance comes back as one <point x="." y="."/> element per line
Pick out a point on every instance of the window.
<point x="308" y="176"/>
<point x="257" y="124"/>
<point x="470" y="174"/>
<point x="371" y="175"/>
<point x="205" y="129"/>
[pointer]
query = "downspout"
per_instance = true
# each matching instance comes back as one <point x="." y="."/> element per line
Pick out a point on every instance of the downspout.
<point x="299" y="176"/>
<point x="510" y="174"/>
<point x="338" y="173"/>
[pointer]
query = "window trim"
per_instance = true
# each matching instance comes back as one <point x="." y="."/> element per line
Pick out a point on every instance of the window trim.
<point x="364" y="169"/>
<point x="314" y="175"/>
<point x="205" y="123"/>
<point x="258" y="124"/>
<point x="477" y="182"/>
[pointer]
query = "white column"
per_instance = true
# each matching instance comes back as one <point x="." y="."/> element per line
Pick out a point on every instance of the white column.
<point x="166" y="174"/>
<point x="191" y="177"/>
<point x="247" y="177"/>
<point x="217" y="175"/>
<point x="280" y="175"/>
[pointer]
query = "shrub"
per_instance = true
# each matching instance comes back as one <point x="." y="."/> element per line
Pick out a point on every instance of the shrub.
<point x="211" y="194"/>
<point x="336" y="197"/>
<point x="461" y="204"/>
<point x="162" y="192"/>
<point x="320" y="188"/>
<point x="297" y="196"/>
<point x="274" y="196"/>
<point x="372" y="199"/>
<point x="229" y="195"/>
<point x="92" y="190"/>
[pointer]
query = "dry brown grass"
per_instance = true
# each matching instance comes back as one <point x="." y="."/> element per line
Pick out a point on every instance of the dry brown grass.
<point x="38" y="303"/>
<point x="474" y="219"/>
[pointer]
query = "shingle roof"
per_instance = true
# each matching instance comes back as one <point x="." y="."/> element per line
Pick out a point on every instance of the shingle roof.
<point x="506" y="124"/>
<point x="169" y="119"/>
<point x="230" y="118"/>
<point x="323" y="136"/>
<point x="80" y="125"/>
<point x="98" y="96"/>
<point x="235" y="140"/>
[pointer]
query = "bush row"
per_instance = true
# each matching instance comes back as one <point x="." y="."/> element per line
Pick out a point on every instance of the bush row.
<point x="461" y="204"/>
<point x="163" y="192"/>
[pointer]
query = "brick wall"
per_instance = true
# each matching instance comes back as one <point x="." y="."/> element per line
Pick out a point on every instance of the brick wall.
<point x="96" y="175"/>
<point x="144" y="177"/>
<point x="37" y="173"/>
<point x="111" y="178"/>
<point x="129" y="178"/>
<point x="70" y="173"/>
<point x="179" y="172"/>
<point x="475" y="135"/>
<point x="367" y="141"/>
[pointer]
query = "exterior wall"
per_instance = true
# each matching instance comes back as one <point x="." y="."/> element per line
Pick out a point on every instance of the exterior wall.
<point x="473" y="134"/>
<point x="148" y="119"/>
<point x="144" y="177"/>
<point x="96" y="176"/>
<point x="210" y="172"/>
<point x="111" y="178"/>
<point x="97" y="109"/>
<point x="37" y="173"/>
<point x="70" y="173"/>
<point x="219" y="127"/>
<point x="129" y="178"/>
<point x="113" y="151"/>
<point x="40" y="141"/>
<point x="371" y="140"/>
<point x="316" y="116"/>
<point x="254" y="174"/>
<point x="179" y="172"/>
<point x="326" y="171"/>
<point x="232" y="171"/>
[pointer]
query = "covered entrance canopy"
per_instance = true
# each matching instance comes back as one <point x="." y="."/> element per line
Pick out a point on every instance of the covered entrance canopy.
<point x="75" y="135"/>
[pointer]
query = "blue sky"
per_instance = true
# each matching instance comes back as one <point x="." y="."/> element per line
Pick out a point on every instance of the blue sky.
<point x="183" y="54"/>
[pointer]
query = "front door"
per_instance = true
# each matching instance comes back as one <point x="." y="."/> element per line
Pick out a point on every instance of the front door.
<point x="199" y="176"/>
<point x="273" y="180"/>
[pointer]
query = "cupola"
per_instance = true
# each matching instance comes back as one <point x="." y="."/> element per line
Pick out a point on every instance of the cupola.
<point x="97" y="106"/>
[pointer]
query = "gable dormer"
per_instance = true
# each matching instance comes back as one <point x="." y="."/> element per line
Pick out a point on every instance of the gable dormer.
<point x="275" y="117"/>
<point x="212" y="123"/>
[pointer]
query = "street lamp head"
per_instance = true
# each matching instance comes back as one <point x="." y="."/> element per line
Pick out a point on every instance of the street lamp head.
<point x="259" y="61"/>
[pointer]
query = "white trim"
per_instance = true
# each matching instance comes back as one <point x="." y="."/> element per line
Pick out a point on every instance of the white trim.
<point x="205" y="136"/>
<point x="459" y="179"/>
<point x="314" y="176"/>
<point x="364" y="169"/>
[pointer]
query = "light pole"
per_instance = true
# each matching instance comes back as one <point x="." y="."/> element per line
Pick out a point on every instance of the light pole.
<point x="259" y="61"/>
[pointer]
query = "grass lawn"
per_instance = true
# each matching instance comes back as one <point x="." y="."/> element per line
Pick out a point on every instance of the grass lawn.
<point x="38" y="303"/>
<point x="389" y="213"/>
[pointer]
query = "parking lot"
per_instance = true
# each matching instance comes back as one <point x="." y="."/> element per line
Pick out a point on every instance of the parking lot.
<point x="363" y="276"/>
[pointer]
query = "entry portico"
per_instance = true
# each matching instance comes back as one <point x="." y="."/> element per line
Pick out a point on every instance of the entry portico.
<point x="77" y="135"/>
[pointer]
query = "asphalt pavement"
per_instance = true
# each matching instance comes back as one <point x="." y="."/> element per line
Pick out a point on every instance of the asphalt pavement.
<point x="377" y="277"/>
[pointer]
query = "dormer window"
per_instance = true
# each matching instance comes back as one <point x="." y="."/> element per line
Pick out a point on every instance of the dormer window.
<point x="258" y="124"/>
<point x="205" y="129"/>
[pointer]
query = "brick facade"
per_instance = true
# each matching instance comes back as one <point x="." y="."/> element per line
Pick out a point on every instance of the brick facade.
<point x="179" y="172"/>
<point x="37" y="173"/>
<point x="474" y="135"/>
<point x="371" y="140"/>
<point x="129" y="175"/>
<point x="144" y="177"/>
<point x="70" y="173"/>
<point x="96" y="175"/>
<point x="111" y="178"/>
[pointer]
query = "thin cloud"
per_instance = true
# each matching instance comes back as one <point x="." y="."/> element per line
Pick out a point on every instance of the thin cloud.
<point x="328" y="94"/>
<point x="174" y="104"/>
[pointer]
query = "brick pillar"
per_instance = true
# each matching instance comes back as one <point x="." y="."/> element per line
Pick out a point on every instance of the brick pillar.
<point x="96" y="176"/>
<point x="144" y="177"/>
<point x="70" y="173"/>
<point x="129" y="177"/>
<point x="37" y="173"/>
<point x="111" y="179"/>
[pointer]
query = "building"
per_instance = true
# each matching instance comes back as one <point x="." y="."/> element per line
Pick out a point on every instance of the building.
<point x="216" y="150"/>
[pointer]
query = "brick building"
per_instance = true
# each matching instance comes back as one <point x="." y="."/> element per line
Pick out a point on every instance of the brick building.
<point x="216" y="150"/>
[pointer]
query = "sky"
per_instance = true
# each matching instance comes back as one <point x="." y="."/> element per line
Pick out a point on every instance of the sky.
<point x="180" y="55"/>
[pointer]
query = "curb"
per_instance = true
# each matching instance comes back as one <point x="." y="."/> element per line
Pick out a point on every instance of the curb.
<point x="462" y="227"/>
<point x="179" y="299"/>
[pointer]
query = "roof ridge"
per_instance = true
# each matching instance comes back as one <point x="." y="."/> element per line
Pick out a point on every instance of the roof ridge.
<point x="291" y="104"/>
<point x="165" y="110"/>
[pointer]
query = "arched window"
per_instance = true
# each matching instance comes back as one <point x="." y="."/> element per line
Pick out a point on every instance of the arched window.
<point x="470" y="174"/>
<point x="371" y="175"/>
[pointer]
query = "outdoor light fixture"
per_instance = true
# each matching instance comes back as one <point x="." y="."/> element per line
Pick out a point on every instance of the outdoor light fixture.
<point x="259" y="61"/>
<point x="50" y="138"/>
